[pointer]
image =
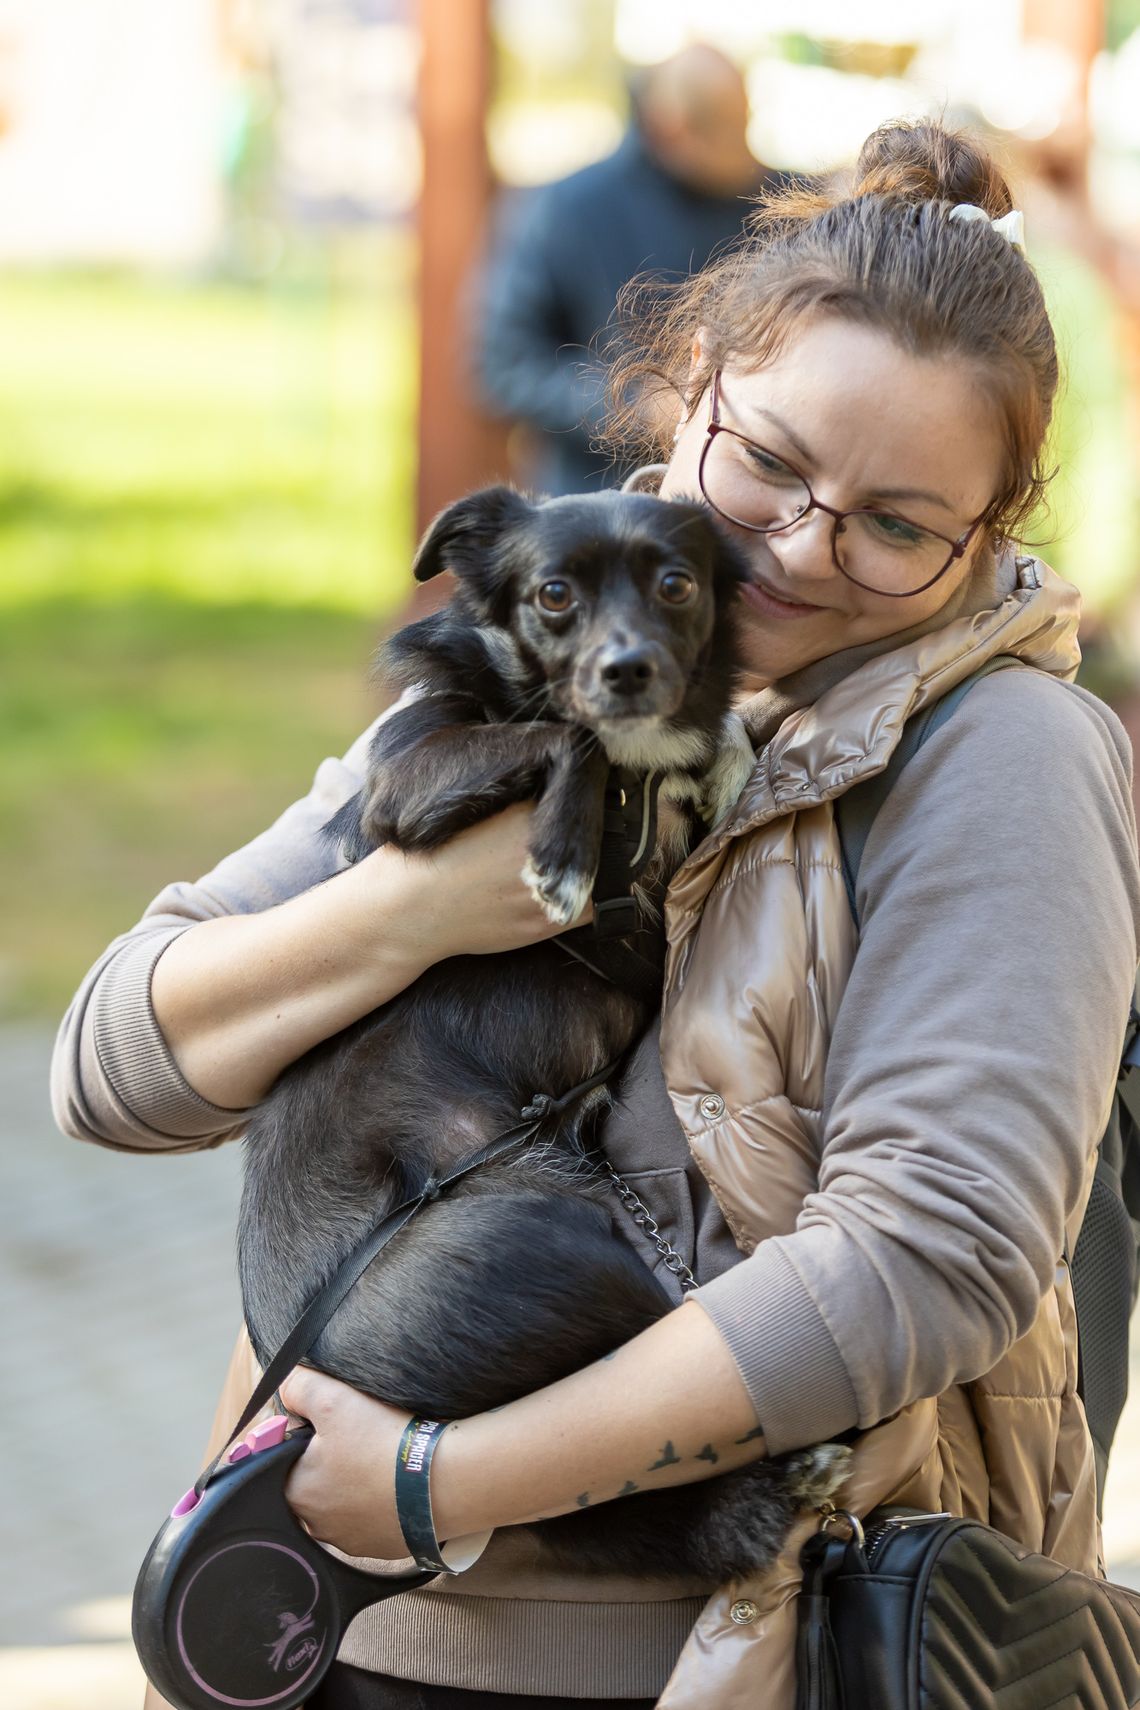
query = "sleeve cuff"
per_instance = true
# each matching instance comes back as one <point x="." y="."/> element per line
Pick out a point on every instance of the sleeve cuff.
<point x="133" y="1055"/>
<point x="784" y="1350"/>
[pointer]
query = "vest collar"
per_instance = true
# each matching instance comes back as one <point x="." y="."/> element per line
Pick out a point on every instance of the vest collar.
<point x="849" y="731"/>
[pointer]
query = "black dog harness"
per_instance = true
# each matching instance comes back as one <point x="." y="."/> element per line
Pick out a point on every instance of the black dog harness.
<point x="629" y="840"/>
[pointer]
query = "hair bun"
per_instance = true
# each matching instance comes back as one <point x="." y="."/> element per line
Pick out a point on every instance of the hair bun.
<point x="921" y="161"/>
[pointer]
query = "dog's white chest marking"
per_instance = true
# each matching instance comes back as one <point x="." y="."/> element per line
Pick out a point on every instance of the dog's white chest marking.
<point x="648" y="745"/>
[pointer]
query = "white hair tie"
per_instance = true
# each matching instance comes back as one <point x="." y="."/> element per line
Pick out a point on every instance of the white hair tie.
<point x="1011" y="225"/>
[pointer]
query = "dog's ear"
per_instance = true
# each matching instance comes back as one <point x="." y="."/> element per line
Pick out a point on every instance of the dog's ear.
<point x="708" y="540"/>
<point x="726" y="557"/>
<point x="731" y="564"/>
<point x="462" y="536"/>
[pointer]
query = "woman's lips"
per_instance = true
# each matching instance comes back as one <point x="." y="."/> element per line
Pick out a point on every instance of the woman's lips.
<point x="763" y="600"/>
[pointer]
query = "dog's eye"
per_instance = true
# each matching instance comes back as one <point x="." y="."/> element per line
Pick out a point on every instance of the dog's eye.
<point x="556" y="596"/>
<point x="676" y="587"/>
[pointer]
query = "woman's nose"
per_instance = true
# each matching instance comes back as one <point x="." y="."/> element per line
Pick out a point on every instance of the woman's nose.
<point x="804" y="548"/>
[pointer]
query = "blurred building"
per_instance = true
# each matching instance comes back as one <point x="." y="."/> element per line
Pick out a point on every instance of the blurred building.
<point x="130" y="130"/>
<point x="343" y="77"/>
<point x="109" y="122"/>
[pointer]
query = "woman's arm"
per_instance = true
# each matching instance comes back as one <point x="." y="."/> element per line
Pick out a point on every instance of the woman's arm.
<point x="972" y="1063"/>
<point x="186" y="1019"/>
<point x="239" y="998"/>
<point x="667" y="1408"/>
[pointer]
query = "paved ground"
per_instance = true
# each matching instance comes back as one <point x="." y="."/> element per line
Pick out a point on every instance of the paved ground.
<point x="120" y="1306"/>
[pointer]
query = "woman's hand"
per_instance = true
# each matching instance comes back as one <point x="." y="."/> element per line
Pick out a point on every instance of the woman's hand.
<point x="474" y="901"/>
<point x="343" y="1488"/>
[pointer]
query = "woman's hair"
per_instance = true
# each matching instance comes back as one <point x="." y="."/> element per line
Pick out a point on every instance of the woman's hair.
<point x="878" y="250"/>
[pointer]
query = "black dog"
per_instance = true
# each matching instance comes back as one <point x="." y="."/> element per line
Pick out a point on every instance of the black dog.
<point x="584" y="633"/>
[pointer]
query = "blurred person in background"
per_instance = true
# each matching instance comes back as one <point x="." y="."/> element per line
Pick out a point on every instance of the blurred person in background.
<point x="870" y="1142"/>
<point x="673" y="193"/>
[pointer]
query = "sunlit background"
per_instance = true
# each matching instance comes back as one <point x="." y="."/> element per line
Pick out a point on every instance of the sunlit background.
<point x="235" y="245"/>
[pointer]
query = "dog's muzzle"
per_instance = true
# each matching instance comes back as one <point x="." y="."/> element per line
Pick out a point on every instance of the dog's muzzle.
<point x="630" y="681"/>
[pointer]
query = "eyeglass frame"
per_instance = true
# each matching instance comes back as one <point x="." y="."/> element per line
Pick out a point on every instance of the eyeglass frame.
<point x="715" y="426"/>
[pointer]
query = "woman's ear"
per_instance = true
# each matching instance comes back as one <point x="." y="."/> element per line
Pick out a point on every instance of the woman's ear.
<point x="461" y="537"/>
<point x="697" y="377"/>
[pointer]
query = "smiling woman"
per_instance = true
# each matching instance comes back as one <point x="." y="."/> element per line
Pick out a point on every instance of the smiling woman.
<point x="935" y="441"/>
<point x="764" y="493"/>
<point x="870" y="1145"/>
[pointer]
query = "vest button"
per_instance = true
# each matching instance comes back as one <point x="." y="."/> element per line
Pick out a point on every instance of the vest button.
<point x="712" y="1106"/>
<point x="744" y="1611"/>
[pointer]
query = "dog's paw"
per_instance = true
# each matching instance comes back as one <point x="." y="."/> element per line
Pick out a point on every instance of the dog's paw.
<point x="561" y="893"/>
<point x="729" y="772"/>
<point x="814" y="1475"/>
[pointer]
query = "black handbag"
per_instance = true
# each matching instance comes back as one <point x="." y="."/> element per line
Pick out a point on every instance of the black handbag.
<point x="919" y="1611"/>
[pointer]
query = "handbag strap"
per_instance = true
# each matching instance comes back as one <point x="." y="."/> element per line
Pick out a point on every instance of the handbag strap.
<point x="819" y="1684"/>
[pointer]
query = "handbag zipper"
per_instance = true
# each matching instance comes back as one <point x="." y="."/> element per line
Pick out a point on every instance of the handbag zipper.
<point x="880" y="1534"/>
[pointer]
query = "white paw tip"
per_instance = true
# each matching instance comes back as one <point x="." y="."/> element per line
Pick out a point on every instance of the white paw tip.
<point x="560" y="895"/>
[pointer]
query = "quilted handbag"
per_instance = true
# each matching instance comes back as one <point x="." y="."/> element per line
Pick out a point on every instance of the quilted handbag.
<point x="925" y="1612"/>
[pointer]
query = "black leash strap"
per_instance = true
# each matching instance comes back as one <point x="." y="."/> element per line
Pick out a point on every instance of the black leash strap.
<point x="629" y="838"/>
<point x="322" y="1306"/>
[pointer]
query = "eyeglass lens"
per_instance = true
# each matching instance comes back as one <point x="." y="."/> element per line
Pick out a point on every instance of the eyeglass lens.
<point x="756" y="489"/>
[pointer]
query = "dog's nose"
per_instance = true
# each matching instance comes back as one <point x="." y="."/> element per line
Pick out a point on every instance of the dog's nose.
<point x="629" y="672"/>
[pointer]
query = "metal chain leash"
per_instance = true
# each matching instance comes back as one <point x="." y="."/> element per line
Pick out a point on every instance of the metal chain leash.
<point x="645" y="1220"/>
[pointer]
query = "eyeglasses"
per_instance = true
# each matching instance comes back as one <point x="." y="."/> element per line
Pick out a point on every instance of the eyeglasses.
<point x="878" y="550"/>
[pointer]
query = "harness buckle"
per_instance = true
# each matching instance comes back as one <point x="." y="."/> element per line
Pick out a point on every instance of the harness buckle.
<point x="615" y="918"/>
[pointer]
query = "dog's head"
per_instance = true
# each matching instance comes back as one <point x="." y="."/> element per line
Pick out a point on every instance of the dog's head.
<point x="619" y="603"/>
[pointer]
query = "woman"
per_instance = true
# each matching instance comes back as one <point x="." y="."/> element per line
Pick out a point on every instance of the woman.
<point x="874" y="1148"/>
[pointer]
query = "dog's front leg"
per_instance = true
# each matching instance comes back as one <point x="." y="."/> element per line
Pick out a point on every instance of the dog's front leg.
<point x="567" y="838"/>
<point x="449" y="776"/>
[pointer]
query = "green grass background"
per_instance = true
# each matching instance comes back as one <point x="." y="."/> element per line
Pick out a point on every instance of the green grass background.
<point x="205" y="520"/>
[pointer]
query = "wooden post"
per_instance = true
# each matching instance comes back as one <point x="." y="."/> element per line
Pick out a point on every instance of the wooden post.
<point x="1079" y="30"/>
<point x="459" y="446"/>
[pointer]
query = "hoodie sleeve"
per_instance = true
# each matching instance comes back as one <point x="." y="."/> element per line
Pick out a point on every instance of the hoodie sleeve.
<point x="970" y="1072"/>
<point x="113" y="1078"/>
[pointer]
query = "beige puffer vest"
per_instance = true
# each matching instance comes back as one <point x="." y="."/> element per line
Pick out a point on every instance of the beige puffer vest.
<point x="766" y="891"/>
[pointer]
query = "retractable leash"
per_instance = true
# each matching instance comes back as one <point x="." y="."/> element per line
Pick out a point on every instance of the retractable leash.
<point x="235" y="1604"/>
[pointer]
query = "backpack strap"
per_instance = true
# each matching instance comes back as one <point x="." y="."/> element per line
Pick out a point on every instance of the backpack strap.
<point x="855" y="812"/>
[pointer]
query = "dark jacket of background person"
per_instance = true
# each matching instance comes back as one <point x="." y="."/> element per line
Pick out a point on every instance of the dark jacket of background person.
<point x="555" y="267"/>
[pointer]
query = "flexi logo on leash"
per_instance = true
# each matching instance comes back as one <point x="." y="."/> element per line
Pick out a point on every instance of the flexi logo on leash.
<point x="235" y="1604"/>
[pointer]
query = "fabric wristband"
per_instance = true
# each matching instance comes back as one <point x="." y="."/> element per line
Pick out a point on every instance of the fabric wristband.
<point x="413" y="1492"/>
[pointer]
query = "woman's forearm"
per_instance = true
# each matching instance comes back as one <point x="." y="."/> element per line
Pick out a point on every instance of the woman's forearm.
<point x="667" y="1408"/>
<point x="241" y="997"/>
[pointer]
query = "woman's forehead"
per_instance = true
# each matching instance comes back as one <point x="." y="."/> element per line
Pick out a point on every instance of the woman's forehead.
<point x="860" y="406"/>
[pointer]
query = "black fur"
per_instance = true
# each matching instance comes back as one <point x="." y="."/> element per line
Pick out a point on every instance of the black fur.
<point x="527" y="1270"/>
